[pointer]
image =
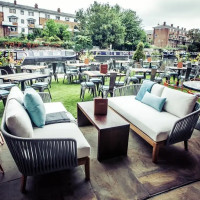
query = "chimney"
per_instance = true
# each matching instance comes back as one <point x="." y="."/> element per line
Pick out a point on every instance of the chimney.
<point x="15" y="2"/>
<point x="171" y="25"/>
<point x="58" y="10"/>
<point x="36" y="5"/>
<point x="164" y="24"/>
<point x="177" y="27"/>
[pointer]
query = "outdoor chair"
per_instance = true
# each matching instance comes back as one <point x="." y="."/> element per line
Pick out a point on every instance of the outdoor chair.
<point x="87" y="85"/>
<point x="120" y="83"/>
<point x="104" y="90"/>
<point x="186" y="76"/>
<point x="44" y="84"/>
<point x="55" y="73"/>
<point x="70" y="73"/>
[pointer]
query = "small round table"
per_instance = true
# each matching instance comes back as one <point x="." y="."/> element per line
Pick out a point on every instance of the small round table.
<point x="192" y="85"/>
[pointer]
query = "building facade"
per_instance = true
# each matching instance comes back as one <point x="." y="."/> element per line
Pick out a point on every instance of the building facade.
<point x="165" y="35"/>
<point x="17" y="19"/>
<point x="149" y="34"/>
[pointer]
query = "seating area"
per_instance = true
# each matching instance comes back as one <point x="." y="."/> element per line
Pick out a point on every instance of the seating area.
<point x="55" y="151"/>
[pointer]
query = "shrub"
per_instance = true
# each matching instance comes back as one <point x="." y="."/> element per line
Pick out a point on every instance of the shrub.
<point x="139" y="53"/>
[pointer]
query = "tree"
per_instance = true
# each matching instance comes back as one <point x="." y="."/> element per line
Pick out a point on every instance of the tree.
<point x="133" y="32"/>
<point x="103" y="24"/>
<point x="82" y="43"/>
<point x="63" y="32"/>
<point x="51" y="29"/>
<point x="194" y="35"/>
<point x="139" y="53"/>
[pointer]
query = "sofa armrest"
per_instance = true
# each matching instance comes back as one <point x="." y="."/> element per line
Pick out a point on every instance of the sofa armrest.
<point x="39" y="156"/>
<point x="46" y="98"/>
<point x="127" y="90"/>
<point x="183" y="128"/>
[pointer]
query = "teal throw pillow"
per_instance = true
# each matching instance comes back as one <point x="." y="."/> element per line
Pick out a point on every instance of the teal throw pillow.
<point x="35" y="107"/>
<point x="146" y="86"/>
<point x="154" y="101"/>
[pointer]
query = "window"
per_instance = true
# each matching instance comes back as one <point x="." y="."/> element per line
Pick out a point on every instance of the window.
<point x="22" y="12"/>
<point x="23" y="30"/>
<point x="31" y="21"/>
<point x="13" y="29"/>
<point x="22" y="21"/>
<point x="30" y="13"/>
<point x="47" y="16"/>
<point x="12" y="19"/>
<point x="12" y="10"/>
<point x="57" y="18"/>
<point x="66" y="18"/>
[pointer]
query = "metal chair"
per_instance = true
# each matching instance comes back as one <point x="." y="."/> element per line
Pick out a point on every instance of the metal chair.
<point x="45" y="84"/>
<point x="122" y="83"/>
<point x="89" y="86"/>
<point x="108" y="89"/>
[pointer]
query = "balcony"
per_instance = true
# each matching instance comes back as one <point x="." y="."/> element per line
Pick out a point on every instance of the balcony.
<point x="31" y="25"/>
<point x="7" y="23"/>
<point x="38" y="26"/>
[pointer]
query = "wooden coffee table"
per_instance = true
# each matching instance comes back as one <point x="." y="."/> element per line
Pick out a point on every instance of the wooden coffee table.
<point x="113" y="130"/>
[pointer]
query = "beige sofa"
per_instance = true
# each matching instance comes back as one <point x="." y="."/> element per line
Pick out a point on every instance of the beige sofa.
<point x="36" y="150"/>
<point x="173" y="124"/>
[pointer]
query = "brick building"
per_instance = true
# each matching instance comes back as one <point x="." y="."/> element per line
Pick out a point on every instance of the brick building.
<point x="16" y="19"/>
<point x="165" y="35"/>
<point x="149" y="34"/>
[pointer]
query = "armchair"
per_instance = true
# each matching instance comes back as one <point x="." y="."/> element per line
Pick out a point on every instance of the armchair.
<point x="45" y="151"/>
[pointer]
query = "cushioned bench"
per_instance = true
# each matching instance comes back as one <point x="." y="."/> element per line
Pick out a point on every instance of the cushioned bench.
<point x="38" y="150"/>
<point x="174" y="123"/>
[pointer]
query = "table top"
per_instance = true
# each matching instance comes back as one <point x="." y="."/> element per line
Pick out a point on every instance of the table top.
<point x="112" y="119"/>
<point x="98" y="74"/>
<point x="77" y="64"/>
<point x="193" y="85"/>
<point x="178" y="68"/>
<point x="22" y="76"/>
<point x="33" y="67"/>
<point x="145" y="70"/>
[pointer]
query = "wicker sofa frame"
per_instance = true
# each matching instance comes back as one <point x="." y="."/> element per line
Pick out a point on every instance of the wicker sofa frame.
<point x="40" y="156"/>
<point x="181" y="131"/>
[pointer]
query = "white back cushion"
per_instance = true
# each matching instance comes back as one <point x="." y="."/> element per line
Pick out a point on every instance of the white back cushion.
<point x="16" y="93"/>
<point x="178" y="103"/>
<point x="157" y="89"/>
<point x="17" y="119"/>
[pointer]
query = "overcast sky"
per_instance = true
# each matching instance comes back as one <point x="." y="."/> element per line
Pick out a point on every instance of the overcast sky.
<point x="182" y="13"/>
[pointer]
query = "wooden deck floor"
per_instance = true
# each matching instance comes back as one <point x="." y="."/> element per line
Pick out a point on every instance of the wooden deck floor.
<point x="133" y="177"/>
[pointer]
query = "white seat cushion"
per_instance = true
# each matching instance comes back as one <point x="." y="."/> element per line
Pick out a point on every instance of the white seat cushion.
<point x="65" y="130"/>
<point x="178" y="103"/>
<point x="157" y="125"/>
<point x="58" y="107"/>
<point x="17" y="119"/>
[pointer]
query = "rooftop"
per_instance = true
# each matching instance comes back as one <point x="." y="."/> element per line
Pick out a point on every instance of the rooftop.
<point x="36" y="9"/>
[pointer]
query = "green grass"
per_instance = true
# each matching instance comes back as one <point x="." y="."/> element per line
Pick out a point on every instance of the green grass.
<point x="68" y="94"/>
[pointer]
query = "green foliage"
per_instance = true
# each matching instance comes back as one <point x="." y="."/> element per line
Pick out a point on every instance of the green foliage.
<point x="147" y="45"/>
<point x="50" y="29"/>
<point x="110" y="25"/>
<point x="194" y="35"/>
<point x="139" y="53"/>
<point x="182" y="47"/>
<point x="82" y="43"/>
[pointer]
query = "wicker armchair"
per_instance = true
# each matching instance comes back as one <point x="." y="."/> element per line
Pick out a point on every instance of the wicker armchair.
<point x="37" y="156"/>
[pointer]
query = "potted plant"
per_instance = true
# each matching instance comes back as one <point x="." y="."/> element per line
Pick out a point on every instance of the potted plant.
<point x="87" y="57"/>
<point x="179" y="61"/>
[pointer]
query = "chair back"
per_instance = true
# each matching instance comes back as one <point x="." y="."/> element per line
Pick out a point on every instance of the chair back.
<point x="112" y="81"/>
<point x="153" y="74"/>
<point x="188" y="71"/>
